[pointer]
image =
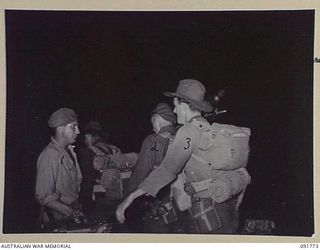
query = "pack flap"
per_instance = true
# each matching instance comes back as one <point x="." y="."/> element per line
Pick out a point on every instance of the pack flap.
<point x="232" y="130"/>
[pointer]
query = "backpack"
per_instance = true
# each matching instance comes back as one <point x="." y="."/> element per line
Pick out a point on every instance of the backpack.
<point x="223" y="146"/>
<point x="225" y="150"/>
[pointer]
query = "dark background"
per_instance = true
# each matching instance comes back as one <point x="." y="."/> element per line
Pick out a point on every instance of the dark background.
<point x="114" y="66"/>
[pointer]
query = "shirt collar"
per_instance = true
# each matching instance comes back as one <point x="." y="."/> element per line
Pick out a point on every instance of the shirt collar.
<point x="197" y="117"/>
<point x="55" y="144"/>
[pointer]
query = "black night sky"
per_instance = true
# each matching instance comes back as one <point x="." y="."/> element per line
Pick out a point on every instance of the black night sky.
<point x="114" y="66"/>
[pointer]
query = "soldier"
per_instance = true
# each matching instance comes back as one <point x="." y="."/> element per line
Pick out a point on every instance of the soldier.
<point x="155" y="145"/>
<point x="210" y="216"/>
<point x="94" y="140"/>
<point x="153" y="150"/>
<point x="58" y="172"/>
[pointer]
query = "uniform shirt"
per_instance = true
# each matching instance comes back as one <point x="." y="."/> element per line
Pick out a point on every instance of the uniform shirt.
<point x="178" y="156"/>
<point x="58" y="175"/>
<point x="153" y="150"/>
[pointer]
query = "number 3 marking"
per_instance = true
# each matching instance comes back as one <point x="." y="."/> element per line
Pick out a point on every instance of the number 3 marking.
<point x="188" y="142"/>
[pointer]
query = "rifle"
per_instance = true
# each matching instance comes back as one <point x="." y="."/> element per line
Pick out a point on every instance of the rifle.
<point x="215" y="100"/>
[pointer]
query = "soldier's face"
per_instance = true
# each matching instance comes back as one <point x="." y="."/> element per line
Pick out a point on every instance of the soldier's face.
<point x="71" y="132"/>
<point x="179" y="109"/>
<point x="155" y="123"/>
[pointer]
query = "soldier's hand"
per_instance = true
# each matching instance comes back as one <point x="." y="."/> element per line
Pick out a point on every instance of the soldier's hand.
<point x="126" y="203"/>
<point x="122" y="208"/>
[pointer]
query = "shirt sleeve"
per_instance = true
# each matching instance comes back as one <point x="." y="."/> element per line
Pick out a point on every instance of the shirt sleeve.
<point x="47" y="167"/>
<point x="144" y="164"/>
<point x="177" y="155"/>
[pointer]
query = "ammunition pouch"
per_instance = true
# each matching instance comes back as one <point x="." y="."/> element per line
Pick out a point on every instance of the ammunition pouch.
<point x="163" y="213"/>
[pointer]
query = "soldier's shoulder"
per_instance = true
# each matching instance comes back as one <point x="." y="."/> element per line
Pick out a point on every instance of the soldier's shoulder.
<point x="194" y="128"/>
<point x="50" y="150"/>
<point x="188" y="127"/>
<point x="150" y="138"/>
<point x="186" y="130"/>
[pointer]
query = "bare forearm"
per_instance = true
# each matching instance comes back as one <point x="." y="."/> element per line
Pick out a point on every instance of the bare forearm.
<point x="60" y="207"/>
<point x="137" y="193"/>
<point x="126" y="203"/>
<point x="134" y="195"/>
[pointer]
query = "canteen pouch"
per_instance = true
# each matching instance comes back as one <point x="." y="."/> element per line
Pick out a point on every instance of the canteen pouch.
<point x="205" y="216"/>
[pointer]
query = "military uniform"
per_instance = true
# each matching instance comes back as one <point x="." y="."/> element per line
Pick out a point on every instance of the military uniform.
<point x="58" y="177"/>
<point x="180" y="157"/>
<point x="153" y="150"/>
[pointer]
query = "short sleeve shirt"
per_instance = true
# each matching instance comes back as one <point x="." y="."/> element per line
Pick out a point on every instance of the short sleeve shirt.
<point x="58" y="175"/>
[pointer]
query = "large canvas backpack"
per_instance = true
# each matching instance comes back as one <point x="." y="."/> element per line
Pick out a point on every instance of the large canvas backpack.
<point x="225" y="150"/>
<point x="223" y="146"/>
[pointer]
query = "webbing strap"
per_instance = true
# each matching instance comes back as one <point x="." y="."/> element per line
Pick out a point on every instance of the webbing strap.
<point x="202" y="214"/>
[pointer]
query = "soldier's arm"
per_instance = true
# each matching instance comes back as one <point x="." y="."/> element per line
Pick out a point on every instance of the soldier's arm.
<point x="126" y="203"/>
<point x="60" y="207"/>
<point x="144" y="164"/>
<point x="177" y="155"/>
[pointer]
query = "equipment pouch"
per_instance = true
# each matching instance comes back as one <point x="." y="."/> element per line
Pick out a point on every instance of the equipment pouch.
<point x="167" y="212"/>
<point x="205" y="216"/>
<point x="228" y="184"/>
